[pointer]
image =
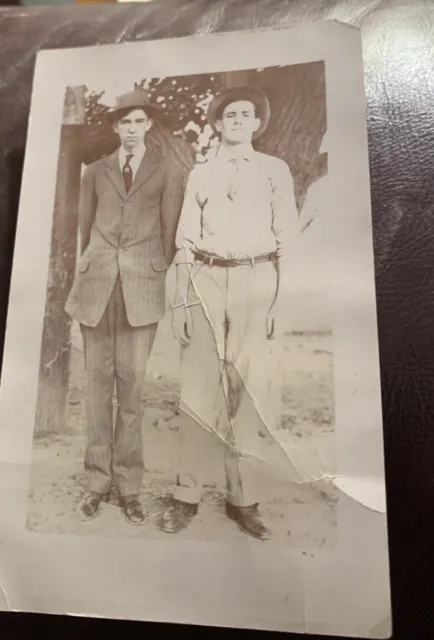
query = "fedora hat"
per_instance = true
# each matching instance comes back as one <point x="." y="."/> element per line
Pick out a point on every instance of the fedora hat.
<point x="137" y="99"/>
<point x="237" y="94"/>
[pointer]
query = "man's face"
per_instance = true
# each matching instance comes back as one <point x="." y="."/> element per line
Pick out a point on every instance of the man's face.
<point x="238" y="122"/>
<point x="132" y="127"/>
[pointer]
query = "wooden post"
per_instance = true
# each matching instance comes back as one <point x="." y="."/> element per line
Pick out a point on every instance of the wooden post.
<point x="54" y="365"/>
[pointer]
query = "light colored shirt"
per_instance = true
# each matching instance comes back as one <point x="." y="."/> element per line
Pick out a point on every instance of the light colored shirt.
<point x="260" y="218"/>
<point x="135" y="161"/>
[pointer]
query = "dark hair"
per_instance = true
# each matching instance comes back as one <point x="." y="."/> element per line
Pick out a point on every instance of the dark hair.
<point x="228" y="101"/>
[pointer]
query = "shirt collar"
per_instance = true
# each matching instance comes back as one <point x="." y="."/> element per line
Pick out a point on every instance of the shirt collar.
<point x="246" y="152"/>
<point x="138" y="154"/>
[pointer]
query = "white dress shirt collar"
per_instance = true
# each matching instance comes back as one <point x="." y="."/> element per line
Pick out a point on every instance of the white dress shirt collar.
<point x="239" y="152"/>
<point x="137" y="154"/>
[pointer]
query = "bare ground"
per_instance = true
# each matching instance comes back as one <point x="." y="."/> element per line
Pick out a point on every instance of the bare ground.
<point x="301" y="514"/>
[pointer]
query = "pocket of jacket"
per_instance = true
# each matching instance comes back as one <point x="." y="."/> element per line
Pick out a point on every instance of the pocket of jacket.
<point x="84" y="263"/>
<point x="159" y="264"/>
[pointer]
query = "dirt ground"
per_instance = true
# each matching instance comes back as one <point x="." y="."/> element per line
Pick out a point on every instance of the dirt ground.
<point x="302" y="511"/>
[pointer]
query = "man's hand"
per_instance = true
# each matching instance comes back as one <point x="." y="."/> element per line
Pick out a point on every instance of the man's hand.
<point x="182" y="324"/>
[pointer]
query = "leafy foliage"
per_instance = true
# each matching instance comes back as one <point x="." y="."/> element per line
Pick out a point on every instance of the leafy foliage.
<point x="184" y="101"/>
<point x="96" y="113"/>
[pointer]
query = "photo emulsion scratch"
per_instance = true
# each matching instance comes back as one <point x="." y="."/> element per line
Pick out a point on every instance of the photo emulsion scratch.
<point x="196" y="374"/>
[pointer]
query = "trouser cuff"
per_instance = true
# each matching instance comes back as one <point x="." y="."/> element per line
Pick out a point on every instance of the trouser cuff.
<point x="187" y="494"/>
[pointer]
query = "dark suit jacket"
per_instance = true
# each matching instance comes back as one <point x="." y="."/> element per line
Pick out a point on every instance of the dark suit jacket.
<point x="127" y="234"/>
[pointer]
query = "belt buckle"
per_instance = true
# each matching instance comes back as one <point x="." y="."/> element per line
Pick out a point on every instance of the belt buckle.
<point x="252" y="261"/>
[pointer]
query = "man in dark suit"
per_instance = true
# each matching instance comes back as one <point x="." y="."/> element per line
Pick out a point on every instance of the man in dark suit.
<point x="130" y="204"/>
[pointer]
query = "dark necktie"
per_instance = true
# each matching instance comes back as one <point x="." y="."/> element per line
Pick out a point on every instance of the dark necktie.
<point x="127" y="172"/>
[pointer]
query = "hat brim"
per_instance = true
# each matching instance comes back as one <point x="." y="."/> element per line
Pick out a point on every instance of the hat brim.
<point x="237" y="94"/>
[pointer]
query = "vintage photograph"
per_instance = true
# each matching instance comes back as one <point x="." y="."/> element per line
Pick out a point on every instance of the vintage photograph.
<point x="186" y="372"/>
<point x="191" y="398"/>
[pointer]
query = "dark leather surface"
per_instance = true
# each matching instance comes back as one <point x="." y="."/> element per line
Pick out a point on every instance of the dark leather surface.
<point x="399" y="63"/>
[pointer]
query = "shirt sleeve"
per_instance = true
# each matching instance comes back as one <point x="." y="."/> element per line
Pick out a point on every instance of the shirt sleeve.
<point x="285" y="214"/>
<point x="189" y="223"/>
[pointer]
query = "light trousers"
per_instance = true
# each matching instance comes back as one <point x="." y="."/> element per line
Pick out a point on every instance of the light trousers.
<point x="227" y="392"/>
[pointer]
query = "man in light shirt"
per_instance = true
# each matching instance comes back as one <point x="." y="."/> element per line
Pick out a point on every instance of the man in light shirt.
<point x="233" y="258"/>
<point x="130" y="204"/>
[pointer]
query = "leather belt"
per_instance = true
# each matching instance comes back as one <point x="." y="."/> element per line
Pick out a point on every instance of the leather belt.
<point x="213" y="261"/>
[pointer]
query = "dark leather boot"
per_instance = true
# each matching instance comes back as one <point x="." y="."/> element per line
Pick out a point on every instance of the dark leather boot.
<point x="90" y="505"/>
<point x="178" y="516"/>
<point x="132" y="509"/>
<point x="248" y="519"/>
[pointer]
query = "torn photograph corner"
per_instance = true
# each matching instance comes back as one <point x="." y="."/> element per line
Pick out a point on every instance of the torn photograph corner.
<point x="190" y="382"/>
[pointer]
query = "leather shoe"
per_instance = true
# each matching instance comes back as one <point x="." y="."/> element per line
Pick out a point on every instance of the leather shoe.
<point x="178" y="516"/>
<point x="248" y="520"/>
<point x="90" y="505"/>
<point x="133" y="510"/>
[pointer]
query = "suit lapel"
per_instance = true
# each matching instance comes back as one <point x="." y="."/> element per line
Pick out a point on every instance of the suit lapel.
<point x="114" y="173"/>
<point x="146" y="168"/>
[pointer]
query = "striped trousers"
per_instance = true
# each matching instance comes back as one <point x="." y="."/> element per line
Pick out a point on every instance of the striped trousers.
<point x="116" y="356"/>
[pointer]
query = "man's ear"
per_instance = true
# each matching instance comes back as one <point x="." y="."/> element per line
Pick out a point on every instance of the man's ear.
<point x="150" y="123"/>
<point x="115" y="126"/>
<point x="257" y="124"/>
